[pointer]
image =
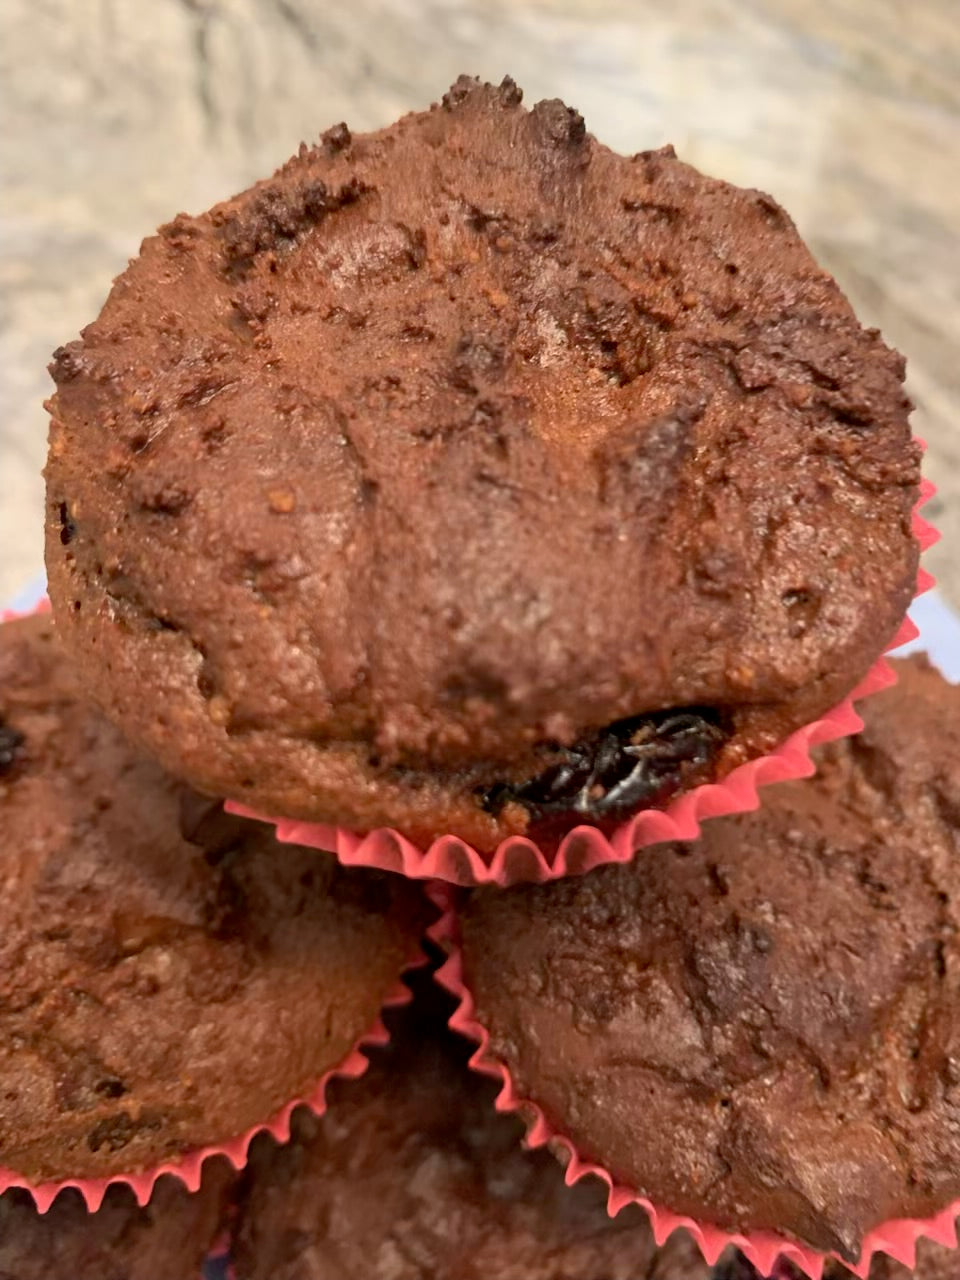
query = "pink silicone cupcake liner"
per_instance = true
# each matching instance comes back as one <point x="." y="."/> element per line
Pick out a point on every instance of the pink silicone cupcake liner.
<point x="9" y="615"/>
<point x="189" y="1169"/>
<point x="519" y="859"/>
<point x="898" y="1238"/>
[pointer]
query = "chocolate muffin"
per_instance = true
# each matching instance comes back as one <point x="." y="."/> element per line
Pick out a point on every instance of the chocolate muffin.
<point x="168" y="978"/>
<point x="469" y="477"/>
<point x="760" y="1029"/>
<point x="413" y="1173"/>
<point x="168" y="1239"/>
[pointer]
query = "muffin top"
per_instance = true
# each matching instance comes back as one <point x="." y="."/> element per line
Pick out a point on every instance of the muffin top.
<point x="168" y="977"/>
<point x="450" y="446"/>
<point x="760" y="1029"/>
<point x="413" y="1172"/>
<point x="167" y="1239"/>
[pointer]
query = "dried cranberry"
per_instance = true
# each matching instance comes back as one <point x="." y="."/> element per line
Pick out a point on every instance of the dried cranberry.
<point x="629" y="765"/>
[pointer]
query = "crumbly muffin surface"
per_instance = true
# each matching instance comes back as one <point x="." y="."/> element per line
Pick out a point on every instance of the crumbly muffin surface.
<point x="428" y="482"/>
<point x="169" y="977"/>
<point x="760" y="1029"/>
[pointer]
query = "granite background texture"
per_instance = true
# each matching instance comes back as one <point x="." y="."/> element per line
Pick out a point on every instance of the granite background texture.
<point x="118" y="113"/>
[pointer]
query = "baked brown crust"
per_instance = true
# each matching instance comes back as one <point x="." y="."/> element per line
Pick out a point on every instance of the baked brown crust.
<point x="413" y="1173"/>
<point x="159" y="993"/>
<point x="760" y="1029"/>
<point x="378" y="487"/>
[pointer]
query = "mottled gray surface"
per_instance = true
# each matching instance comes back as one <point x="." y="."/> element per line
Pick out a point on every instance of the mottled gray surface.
<point x="118" y="113"/>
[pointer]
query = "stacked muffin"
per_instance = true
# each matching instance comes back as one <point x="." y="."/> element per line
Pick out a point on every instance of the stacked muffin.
<point x="759" y="1030"/>
<point x="469" y="500"/>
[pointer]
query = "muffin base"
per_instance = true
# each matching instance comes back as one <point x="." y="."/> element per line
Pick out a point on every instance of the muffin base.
<point x="520" y="859"/>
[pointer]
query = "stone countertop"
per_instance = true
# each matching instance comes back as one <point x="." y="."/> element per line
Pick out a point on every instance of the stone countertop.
<point x="118" y="113"/>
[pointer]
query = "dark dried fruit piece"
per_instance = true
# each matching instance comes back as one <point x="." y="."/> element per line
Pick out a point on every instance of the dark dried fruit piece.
<point x="111" y="1087"/>
<point x="459" y="91"/>
<point x="116" y="1132"/>
<point x="11" y="740"/>
<point x="509" y="92"/>
<point x="337" y="138"/>
<point x="631" y="764"/>
<point x="204" y="822"/>
<point x="560" y="123"/>
<point x="68" y="530"/>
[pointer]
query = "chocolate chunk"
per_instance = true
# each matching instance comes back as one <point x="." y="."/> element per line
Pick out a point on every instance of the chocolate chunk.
<point x="115" y="1132"/>
<point x="337" y="138"/>
<point x="11" y="741"/>
<point x="560" y="123"/>
<point x="67" y="527"/>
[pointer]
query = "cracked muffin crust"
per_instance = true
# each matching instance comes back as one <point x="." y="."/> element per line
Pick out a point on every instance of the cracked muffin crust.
<point x="167" y="1239"/>
<point x="413" y="1173"/>
<point x="469" y="477"/>
<point x="169" y="977"/>
<point x="760" y="1029"/>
